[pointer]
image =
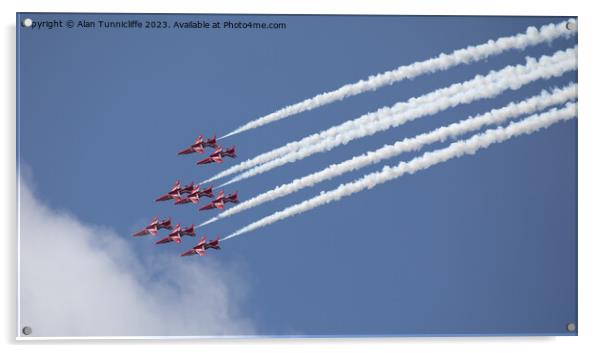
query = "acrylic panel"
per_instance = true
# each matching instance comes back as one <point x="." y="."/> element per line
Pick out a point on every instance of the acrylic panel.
<point x="338" y="176"/>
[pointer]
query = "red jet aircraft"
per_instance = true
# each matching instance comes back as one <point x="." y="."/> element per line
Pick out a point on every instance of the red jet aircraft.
<point x="175" y="192"/>
<point x="199" y="145"/>
<point x="188" y="189"/>
<point x="154" y="227"/>
<point x="220" y="200"/>
<point x="195" y="195"/>
<point x="176" y="234"/>
<point x="218" y="155"/>
<point x="202" y="246"/>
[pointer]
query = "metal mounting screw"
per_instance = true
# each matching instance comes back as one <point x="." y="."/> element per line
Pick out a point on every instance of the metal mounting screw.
<point x="571" y="327"/>
<point x="26" y="330"/>
<point x="571" y="26"/>
<point x="27" y="22"/>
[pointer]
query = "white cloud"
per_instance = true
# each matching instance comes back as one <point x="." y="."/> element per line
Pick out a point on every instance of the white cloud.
<point x="83" y="280"/>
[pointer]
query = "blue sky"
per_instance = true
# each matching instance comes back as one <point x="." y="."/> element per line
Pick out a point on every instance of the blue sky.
<point x="485" y="244"/>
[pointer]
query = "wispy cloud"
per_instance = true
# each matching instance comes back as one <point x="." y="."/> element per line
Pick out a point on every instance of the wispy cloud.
<point x="79" y="279"/>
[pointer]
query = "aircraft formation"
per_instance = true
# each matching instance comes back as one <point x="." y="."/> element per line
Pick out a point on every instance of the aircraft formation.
<point x="192" y="193"/>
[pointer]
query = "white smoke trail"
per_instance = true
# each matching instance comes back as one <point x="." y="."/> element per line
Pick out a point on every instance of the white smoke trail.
<point x="428" y="159"/>
<point x="496" y="82"/>
<point x="470" y="54"/>
<point x="496" y="116"/>
<point x="532" y="36"/>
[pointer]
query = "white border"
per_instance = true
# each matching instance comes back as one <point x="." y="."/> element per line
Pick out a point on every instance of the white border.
<point x="589" y="174"/>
